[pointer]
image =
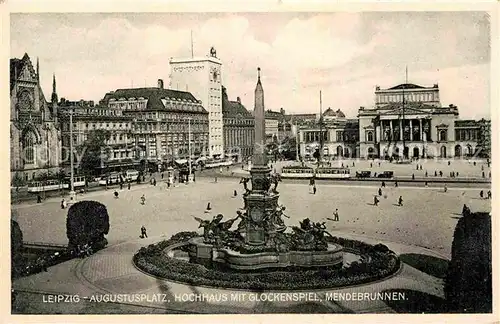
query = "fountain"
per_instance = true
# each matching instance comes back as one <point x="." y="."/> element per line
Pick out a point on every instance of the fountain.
<point x="260" y="240"/>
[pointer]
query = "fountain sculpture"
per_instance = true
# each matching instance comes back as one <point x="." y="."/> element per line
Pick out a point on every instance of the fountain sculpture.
<point x="260" y="240"/>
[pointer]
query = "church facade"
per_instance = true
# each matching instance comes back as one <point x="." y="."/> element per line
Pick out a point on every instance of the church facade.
<point x="35" y="142"/>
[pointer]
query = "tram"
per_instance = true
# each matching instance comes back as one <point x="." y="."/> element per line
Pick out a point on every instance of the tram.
<point x="52" y="185"/>
<point x="297" y="172"/>
<point x="332" y="173"/>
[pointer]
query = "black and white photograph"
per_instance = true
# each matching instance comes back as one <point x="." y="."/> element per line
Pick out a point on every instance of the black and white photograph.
<point x="281" y="162"/>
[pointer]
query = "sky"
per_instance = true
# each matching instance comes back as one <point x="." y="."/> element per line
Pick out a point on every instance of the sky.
<point x="344" y="55"/>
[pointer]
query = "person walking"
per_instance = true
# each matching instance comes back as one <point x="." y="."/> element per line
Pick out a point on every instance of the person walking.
<point x="215" y="179"/>
<point x="426" y="174"/>
<point x="235" y="193"/>
<point x="116" y="194"/>
<point x="383" y="184"/>
<point x="314" y="189"/>
<point x="489" y="194"/>
<point x="336" y="215"/>
<point x="481" y="194"/>
<point x="435" y="173"/>
<point x="445" y="188"/>
<point x="63" y="204"/>
<point x="426" y="184"/>
<point x="380" y="191"/>
<point x="128" y="186"/>
<point x="143" y="199"/>
<point x="395" y="184"/>
<point x="413" y="176"/>
<point x="400" y="201"/>
<point x="375" y="201"/>
<point x="38" y="199"/>
<point x="208" y="209"/>
<point x="144" y="233"/>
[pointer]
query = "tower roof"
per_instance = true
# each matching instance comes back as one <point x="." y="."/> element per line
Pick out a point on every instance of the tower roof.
<point x="258" y="87"/>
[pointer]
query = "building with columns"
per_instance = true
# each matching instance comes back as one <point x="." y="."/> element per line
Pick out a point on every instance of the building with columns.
<point x="161" y="121"/>
<point x="407" y="120"/>
<point x="202" y="76"/>
<point x="340" y="135"/>
<point x="238" y="128"/>
<point x="35" y="142"/>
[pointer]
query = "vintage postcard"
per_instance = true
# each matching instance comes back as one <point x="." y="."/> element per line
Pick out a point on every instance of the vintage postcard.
<point x="309" y="161"/>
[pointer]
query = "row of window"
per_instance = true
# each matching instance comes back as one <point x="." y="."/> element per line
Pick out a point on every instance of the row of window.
<point x="232" y="121"/>
<point x="467" y="134"/>
<point x="170" y="127"/>
<point x="415" y="97"/>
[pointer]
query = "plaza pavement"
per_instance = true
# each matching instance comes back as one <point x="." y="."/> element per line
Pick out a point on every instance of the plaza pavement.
<point x="424" y="225"/>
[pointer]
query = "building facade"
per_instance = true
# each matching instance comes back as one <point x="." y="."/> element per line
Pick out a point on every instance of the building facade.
<point x="35" y="143"/>
<point x="162" y="120"/>
<point x="203" y="78"/>
<point x="416" y="126"/>
<point x="88" y="118"/>
<point x="340" y="136"/>
<point x="239" y="129"/>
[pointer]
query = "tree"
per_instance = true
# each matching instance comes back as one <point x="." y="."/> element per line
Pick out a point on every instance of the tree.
<point x="95" y="152"/>
<point x="468" y="285"/>
<point x="16" y="247"/>
<point x="87" y="223"/>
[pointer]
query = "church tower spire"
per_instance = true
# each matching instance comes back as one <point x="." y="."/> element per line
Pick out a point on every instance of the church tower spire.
<point x="37" y="69"/>
<point x="54" y="92"/>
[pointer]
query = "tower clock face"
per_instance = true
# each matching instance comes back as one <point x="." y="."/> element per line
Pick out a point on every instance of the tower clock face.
<point x="214" y="74"/>
<point x="25" y="101"/>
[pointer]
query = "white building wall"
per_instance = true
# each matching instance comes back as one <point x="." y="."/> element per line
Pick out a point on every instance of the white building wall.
<point x="196" y="75"/>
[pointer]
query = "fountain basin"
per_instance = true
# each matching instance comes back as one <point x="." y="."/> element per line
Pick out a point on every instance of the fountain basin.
<point x="202" y="253"/>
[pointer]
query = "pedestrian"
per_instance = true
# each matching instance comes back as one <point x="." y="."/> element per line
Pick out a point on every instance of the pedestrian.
<point x="481" y="194"/>
<point x="371" y="165"/>
<point x="353" y="165"/>
<point x="116" y="194"/>
<point x="482" y="167"/>
<point x="128" y="186"/>
<point x="489" y="194"/>
<point x="489" y="174"/>
<point x="426" y="184"/>
<point x="445" y="188"/>
<point x="168" y="183"/>
<point x="426" y="174"/>
<point x="208" y="207"/>
<point x="144" y="233"/>
<point x="383" y="184"/>
<point x="435" y="173"/>
<point x="380" y="191"/>
<point x="143" y="199"/>
<point x="449" y="162"/>
<point x="395" y="184"/>
<point x="314" y="189"/>
<point x="474" y="163"/>
<point x="162" y="175"/>
<point x="440" y="173"/>
<point x="465" y="210"/>
<point x="38" y="199"/>
<point x="413" y="176"/>
<point x="457" y="173"/>
<point x="63" y="204"/>
<point x="375" y="175"/>
<point x="154" y="182"/>
<point x="379" y="164"/>
<point x="235" y="193"/>
<point x="400" y="201"/>
<point x="417" y="166"/>
<point x="336" y="215"/>
<point x="483" y="174"/>
<point x="375" y="201"/>
<point x="215" y="179"/>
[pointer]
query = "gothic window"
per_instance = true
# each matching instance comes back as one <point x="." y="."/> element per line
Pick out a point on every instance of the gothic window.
<point x="29" y="149"/>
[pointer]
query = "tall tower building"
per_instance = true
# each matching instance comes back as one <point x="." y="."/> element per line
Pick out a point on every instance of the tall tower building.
<point x="202" y="77"/>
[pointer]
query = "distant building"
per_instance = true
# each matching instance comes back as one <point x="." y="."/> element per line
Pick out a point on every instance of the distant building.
<point x="239" y="129"/>
<point x="35" y="143"/>
<point x="425" y="127"/>
<point x="161" y="121"/>
<point x="202" y="77"/>
<point x="88" y="118"/>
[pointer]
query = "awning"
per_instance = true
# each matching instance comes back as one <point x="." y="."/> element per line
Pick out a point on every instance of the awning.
<point x="181" y="161"/>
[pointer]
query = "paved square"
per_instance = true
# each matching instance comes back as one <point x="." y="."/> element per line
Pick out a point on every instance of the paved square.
<point x="427" y="219"/>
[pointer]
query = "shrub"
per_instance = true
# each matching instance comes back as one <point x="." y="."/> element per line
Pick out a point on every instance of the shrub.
<point x="87" y="223"/>
<point x="468" y="285"/>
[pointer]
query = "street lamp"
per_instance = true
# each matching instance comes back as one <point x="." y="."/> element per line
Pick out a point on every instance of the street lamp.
<point x="72" y="194"/>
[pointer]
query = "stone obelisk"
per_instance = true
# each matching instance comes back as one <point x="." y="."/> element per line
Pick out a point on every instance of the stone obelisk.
<point x="260" y="202"/>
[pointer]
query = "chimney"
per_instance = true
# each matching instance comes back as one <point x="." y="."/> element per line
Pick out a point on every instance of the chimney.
<point x="238" y="99"/>
<point x="160" y="83"/>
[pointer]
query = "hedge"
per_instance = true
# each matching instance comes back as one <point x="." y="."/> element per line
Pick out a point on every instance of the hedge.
<point x="383" y="263"/>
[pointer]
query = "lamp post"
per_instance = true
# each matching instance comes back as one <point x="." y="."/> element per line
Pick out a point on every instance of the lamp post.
<point x="72" y="195"/>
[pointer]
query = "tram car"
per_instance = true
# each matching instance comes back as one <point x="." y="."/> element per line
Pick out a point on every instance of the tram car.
<point x="297" y="172"/>
<point x="53" y="185"/>
<point x="332" y="173"/>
